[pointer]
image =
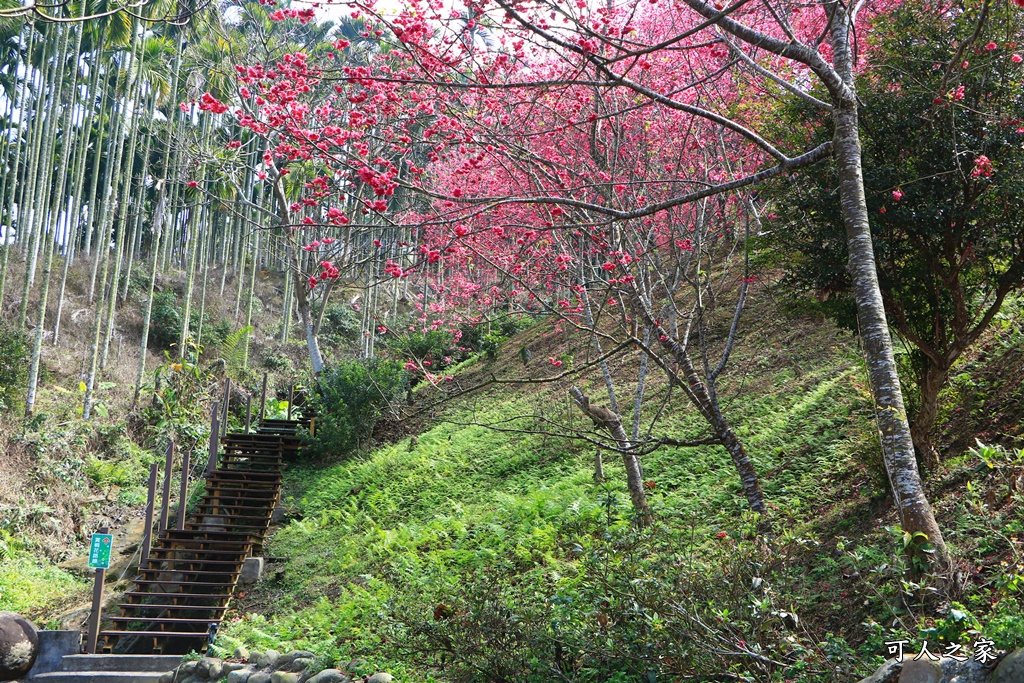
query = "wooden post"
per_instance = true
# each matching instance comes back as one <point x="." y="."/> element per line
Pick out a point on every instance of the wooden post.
<point x="93" y="633"/>
<point x="291" y="398"/>
<point x="227" y="402"/>
<point x="211" y="462"/>
<point x="263" y="401"/>
<point x="165" y="501"/>
<point x="183" y="494"/>
<point x="147" y="534"/>
<point x="248" y="413"/>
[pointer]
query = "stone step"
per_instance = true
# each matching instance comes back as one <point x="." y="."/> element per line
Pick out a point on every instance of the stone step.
<point x="132" y="663"/>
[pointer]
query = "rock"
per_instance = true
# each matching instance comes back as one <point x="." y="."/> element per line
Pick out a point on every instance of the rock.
<point x="921" y="670"/>
<point x="259" y="677"/>
<point x="887" y="673"/>
<point x="296" y="654"/>
<point x="239" y="676"/>
<point x="284" y="677"/>
<point x="167" y="677"/>
<point x="300" y="664"/>
<point x="191" y="678"/>
<point x="969" y="671"/>
<point x="352" y="665"/>
<point x="269" y="658"/>
<point x="185" y="669"/>
<point x="330" y="676"/>
<point x="252" y="570"/>
<point x="231" y="666"/>
<point x="1011" y="669"/>
<point x="380" y="678"/>
<point x="241" y="652"/>
<point x="19" y="645"/>
<point x="254" y="657"/>
<point x="209" y="668"/>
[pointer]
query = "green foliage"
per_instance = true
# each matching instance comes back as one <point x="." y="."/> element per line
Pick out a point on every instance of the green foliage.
<point x="340" y="326"/>
<point x="946" y="231"/>
<point x="232" y="347"/>
<point x="177" y="412"/>
<point x="348" y="400"/>
<point x="29" y="586"/>
<point x="486" y="338"/>
<point x="14" y="360"/>
<point x="165" y="319"/>
<point x="215" y="334"/>
<point x="433" y="350"/>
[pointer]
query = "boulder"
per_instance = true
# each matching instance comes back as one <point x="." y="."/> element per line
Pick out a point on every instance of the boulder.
<point x="239" y="676"/>
<point x="19" y="646"/>
<point x="284" y="677"/>
<point x="967" y="671"/>
<point x="231" y="666"/>
<point x="254" y="657"/>
<point x="380" y="677"/>
<point x="301" y="664"/>
<point x="887" y="673"/>
<point x="259" y="677"/>
<point x="209" y="668"/>
<point x="242" y="653"/>
<point x="921" y="670"/>
<point x="1011" y="669"/>
<point x="185" y="670"/>
<point x="167" y="677"/>
<point x="330" y="676"/>
<point x="269" y="659"/>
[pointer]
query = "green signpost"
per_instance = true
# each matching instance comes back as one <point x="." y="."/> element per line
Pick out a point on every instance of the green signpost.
<point x="99" y="551"/>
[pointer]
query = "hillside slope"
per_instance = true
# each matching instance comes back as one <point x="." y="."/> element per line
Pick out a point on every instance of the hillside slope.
<point x="484" y="550"/>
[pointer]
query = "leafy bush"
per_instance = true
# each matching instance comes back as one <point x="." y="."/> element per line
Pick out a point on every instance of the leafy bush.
<point x="434" y="349"/>
<point x="349" y="400"/>
<point x="165" y="320"/>
<point x="487" y="338"/>
<point x="340" y="325"/>
<point x="215" y="333"/>
<point x="14" y="361"/>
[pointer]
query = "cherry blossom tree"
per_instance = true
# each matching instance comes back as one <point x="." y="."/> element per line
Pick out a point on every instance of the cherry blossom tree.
<point x="704" y="76"/>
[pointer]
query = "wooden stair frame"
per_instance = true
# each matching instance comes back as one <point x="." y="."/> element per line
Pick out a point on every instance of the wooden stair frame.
<point x="186" y="584"/>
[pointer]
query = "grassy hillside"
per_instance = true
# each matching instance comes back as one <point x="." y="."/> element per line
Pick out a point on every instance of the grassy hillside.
<point x="483" y="552"/>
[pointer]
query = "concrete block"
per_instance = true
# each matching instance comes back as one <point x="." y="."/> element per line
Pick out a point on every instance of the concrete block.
<point x="252" y="570"/>
<point x="53" y="646"/>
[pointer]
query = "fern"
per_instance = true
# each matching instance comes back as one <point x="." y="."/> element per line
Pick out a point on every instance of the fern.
<point x="232" y="350"/>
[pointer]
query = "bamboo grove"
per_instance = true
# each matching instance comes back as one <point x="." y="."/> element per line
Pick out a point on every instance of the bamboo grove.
<point x="102" y="144"/>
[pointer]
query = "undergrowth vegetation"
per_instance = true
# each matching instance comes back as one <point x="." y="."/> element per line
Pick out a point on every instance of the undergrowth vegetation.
<point x="482" y="549"/>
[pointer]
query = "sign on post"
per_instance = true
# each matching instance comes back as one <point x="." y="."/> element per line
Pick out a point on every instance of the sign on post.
<point x="99" y="551"/>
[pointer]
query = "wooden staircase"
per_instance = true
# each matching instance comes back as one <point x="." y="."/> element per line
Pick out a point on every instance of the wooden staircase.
<point x="184" y="588"/>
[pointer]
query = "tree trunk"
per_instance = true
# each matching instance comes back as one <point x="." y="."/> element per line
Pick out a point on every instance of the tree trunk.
<point x="158" y="219"/>
<point x="924" y="420"/>
<point x="915" y="513"/>
<point x="606" y="419"/>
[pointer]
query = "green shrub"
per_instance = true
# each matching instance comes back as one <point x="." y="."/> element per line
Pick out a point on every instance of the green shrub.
<point x="434" y="349"/>
<point x="348" y="401"/>
<point x="165" y="321"/>
<point x="340" y="326"/>
<point x="14" y="361"/>
<point x="214" y="333"/>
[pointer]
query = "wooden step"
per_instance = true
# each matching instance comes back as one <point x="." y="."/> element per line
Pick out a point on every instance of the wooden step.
<point x="203" y="608"/>
<point x="157" y="582"/>
<point x="191" y="596"/>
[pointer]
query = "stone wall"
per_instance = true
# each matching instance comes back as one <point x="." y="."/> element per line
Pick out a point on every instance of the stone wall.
<point x="267" y="667"/>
